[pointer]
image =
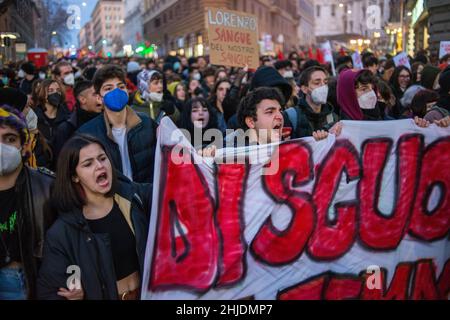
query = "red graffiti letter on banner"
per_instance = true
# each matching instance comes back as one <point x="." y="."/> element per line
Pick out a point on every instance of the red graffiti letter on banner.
<point x="295" y="168"/>
<point x="343" y="288"/>
<point x="185" y="253"/>
<point x="230" y="180"/>
<point x="378" y="231"/>
<point x="444" y="281"/>
<point x="434" y="224"/>
<point x="398" y="287"/>
<point x="424" y="283"/>
<point x="310" y="289"/>
<point x="332" y="240"/>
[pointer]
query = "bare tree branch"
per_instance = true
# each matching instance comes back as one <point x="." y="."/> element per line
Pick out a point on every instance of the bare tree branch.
<point x="53" y="18"/>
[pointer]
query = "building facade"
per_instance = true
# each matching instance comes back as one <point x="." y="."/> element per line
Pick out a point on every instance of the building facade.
<point x="427" y="24"/>
<point x="133" y="27"/>
<point x="19" y="17"/>
<point x="107" y="21"/>
<point x="86" y="36"/>
<point x="353" y="23"/>
<point x="439" y="11"/>
<point x="179" y="25"/>
<point x="305" y="29"/>
<point x="82" y="36"/>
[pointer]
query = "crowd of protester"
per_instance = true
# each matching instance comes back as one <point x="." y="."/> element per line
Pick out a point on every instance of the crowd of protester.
<point x="78" y="139"/>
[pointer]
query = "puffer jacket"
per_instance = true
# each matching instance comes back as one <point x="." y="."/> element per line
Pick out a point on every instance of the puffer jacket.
<point x="70" y="242"/>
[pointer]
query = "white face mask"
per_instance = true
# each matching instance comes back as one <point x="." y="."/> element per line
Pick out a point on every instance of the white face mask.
<point x="319" y="95"/>
<point x="197" y="76"/>
<point x="32" y="120"/>
<point x="21" y="74"/>
<point x="368" y="100"/>
<point x="69" y="79"/>
<point x="42" y="75"/>
<point x="288" y="74"/>
<point x="154" y="96"/>
<point x="10" y="159"/>
<point x="77" y="74"/>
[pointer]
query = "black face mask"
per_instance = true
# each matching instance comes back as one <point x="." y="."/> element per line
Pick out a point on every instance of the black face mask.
<point x="54" y="99"/>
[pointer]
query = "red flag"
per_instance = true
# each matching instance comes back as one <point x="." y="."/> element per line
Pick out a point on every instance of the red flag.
<point x="319" y="56"/>
<point x="342" y="52"/>
<point x="310" y="53"/>
<point x="280" y="55"/>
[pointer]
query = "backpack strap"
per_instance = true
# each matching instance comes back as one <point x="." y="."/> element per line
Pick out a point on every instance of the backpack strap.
<point x="292" y="115"/>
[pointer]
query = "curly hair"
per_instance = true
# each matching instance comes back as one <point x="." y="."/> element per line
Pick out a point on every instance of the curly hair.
<point x="247" y="107"/>
<point x="106" y="73"/>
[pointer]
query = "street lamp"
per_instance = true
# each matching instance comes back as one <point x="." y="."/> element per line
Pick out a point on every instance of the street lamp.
<point x="10" y="35"/>
<point x="54" y="33"/>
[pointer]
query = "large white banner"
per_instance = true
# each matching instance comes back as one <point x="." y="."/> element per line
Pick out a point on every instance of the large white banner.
<point x="364" y="216"/>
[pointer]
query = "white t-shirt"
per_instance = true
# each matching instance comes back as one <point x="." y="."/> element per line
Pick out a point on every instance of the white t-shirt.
<point x="120" y="136"/>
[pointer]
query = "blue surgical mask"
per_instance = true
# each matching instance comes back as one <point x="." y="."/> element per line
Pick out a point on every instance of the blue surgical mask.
<point x="116" y="100"/>
<point x="5" y="81"/>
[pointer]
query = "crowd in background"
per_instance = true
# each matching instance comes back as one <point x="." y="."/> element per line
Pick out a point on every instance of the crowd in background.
<point x="94" y="121"/>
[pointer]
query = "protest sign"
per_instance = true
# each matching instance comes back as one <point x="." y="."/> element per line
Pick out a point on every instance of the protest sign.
<point x="233" y="38"/>
<point x="402" y="60"/>
<point x="357" y="63"/>
<point x="328" y="55"/>
<point x="444" y="48"/>
<point x="363" y="216"/>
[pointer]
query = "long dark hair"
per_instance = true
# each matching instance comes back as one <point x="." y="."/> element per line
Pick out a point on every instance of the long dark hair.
<point x="394" y="79"/>
<point x="68" y="195"/>
<point x="213" y="99"/>
<point x="186" y="121"/>
<point x="421" y="99"/>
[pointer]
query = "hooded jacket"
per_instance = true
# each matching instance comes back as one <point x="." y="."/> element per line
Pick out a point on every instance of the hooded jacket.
<point x="47" y="130"/>
<point x="347" y="99"/>
<point x="270" y="77"/>
<point x="71" y="242"/>
<point x="444" y="95"/>
<point x="429" y="74"/>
